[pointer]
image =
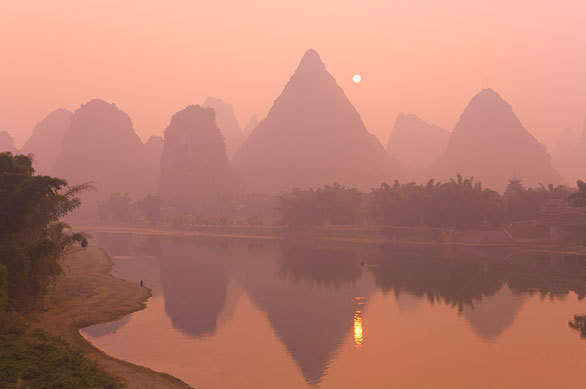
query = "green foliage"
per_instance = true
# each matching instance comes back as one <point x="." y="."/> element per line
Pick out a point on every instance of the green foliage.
<point x="34" y="359"/>
<point x="116" y="209"/>
<point x="524" y="204"/>
<point x="460" y="203"/>
<point x="335" y="204"/>
<point x="150" y="207"/>
<point x="579" y="197"/>
<point x="31" y="236"/>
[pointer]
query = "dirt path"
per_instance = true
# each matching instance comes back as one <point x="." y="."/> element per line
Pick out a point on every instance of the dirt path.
<point x="88" y="294"/>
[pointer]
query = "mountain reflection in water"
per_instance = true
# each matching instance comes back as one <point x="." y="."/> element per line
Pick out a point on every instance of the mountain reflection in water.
<point x="316" y="296"/>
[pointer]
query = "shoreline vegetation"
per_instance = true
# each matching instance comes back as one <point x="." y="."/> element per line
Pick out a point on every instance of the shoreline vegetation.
<point x="54" y="285"/>
<point x="359" y="235"/>
<point x="87" y="294"/>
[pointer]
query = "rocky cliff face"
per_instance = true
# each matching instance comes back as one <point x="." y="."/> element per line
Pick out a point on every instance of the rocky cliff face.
<point x="227" y="123"/>
<point x="490" y="143"/>
<point x="7" y="143"/>
<point x="416" y="143"/>
<point x="45" y="142"/>
<point x="312" y="136"/>
<point x="194" y="162"/>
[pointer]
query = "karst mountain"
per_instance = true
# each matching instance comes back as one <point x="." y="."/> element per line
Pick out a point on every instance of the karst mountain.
<point x="45" y="142"/>
<point x="490" y="144"/>
<point x="415" y="143"/>
<point x="312" y="136"/>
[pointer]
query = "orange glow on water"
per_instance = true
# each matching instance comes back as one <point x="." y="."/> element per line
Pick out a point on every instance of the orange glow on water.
<point x="358" y="331"/>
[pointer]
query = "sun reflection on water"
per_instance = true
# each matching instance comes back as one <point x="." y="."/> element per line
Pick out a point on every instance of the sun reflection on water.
<point x="358" y="334"/>
<point x="358" y="329"/>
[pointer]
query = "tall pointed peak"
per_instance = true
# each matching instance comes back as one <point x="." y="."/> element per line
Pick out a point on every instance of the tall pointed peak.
<point x="311" y="60"/>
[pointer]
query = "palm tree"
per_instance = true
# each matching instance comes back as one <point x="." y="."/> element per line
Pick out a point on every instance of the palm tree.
<point x="578" y="198"/>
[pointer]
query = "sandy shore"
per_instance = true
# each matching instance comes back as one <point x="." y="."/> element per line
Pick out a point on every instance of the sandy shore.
<point x="88" y="294"/>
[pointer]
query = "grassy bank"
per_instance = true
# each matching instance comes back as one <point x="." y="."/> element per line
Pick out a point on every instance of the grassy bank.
<point x="32" y="358"/>
<point x="85" y="294"/>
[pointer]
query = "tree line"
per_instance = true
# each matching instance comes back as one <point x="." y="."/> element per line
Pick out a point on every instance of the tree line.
<point x="457" y="203"/>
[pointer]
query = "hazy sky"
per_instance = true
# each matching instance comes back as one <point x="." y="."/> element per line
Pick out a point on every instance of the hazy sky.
<point x="152" y="58"/>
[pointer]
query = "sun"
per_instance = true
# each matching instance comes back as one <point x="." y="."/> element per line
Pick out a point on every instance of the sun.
<point x="356" y="78"/>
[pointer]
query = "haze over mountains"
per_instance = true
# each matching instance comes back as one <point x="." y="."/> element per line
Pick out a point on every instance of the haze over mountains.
<point x="101" y="146"/>
<point x="490" y="143"/>
<point x="194" y="164"/>
<point x="416" y="143"/>
<point x="7" y="143"/>
<point x="565" y="144"/>
<point x="311" y="136"/>
<point x="45" y="142"/>
<point x="227" y="123"/>
<point x="572" y="162"/>
<point x="251" y="125"/>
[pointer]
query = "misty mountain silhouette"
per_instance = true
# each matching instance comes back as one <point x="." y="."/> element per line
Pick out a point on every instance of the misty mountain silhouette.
<point x="312" y="136"/>
<point x="153" y="150"/>
<point x="565" y="144"/>
<point x="573" y="164"/>
<point x="250" y="126"/>
<point x="227" y="123"/>
<point x="195" y="283"/>
<point x="47" y="138"/>
<point x="492" y="315"/>
<point x="194" y="162"/>
<point x="7" y="143"/>
<point x="101" y="146"/>
<point x="416" y="143"/>
<point x="490" y="143"/>
<point x="311" y="310"/>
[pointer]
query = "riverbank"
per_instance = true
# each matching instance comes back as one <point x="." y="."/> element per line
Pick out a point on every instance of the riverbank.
<point x="88" y="294"/>
<point x="355" y="235"/>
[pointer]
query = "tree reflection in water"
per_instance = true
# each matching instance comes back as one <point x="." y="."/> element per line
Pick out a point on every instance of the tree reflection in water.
<point x="579" y="324"/>
<point x="315" y="294"/>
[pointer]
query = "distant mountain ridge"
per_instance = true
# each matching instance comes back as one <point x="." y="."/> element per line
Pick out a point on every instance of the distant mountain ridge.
<point x="312" y="136"/>
<point x="227" y="123"/>
<point x="572" y="163"/>
<point x="490" y="143"/>
<point x="7" y="143"/>
<point x="416" y="143"/>
<point x="47" y="138"/>
<point x="100" y="146"/>
<point x="194" y="163"/>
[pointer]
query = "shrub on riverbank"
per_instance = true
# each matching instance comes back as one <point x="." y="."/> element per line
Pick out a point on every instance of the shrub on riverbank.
<point x="32" y="236"/>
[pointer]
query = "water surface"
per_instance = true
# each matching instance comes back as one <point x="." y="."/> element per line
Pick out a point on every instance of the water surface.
<point x="230" y="313"/>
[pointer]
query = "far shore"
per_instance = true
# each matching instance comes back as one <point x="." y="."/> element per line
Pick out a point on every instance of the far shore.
<point x="88" y="294"/>
<point x="353" y="235"/>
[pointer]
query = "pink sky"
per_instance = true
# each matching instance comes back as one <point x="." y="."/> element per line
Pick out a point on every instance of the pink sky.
<point x="152" y="58"/>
